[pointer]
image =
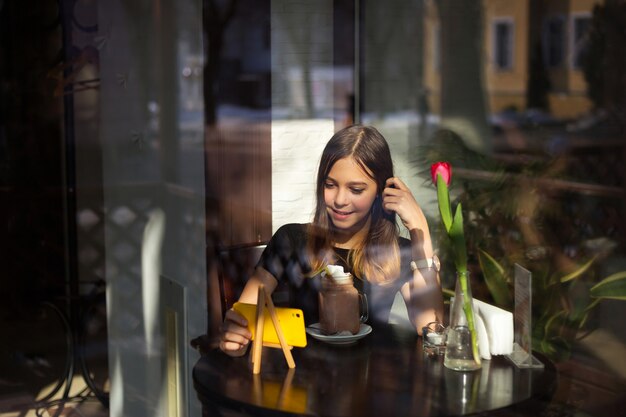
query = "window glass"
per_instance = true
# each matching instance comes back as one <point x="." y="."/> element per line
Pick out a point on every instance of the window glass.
<point x="149" y="150"/>
<point x="503" y="44"/>
<point x="555" y="41"/>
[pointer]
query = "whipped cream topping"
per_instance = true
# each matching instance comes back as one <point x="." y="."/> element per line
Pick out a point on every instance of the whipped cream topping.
<point x="337" y="273"/>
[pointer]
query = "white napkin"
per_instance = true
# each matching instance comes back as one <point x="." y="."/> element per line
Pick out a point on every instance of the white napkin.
<point x="483" y="337"/>
<point x="495" y="329"/>
<point x="498" y="324"/>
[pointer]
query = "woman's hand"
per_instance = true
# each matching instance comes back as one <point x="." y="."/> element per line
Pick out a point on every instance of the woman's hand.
<point x="398" y="198"/>
<point x="234" y="334"/>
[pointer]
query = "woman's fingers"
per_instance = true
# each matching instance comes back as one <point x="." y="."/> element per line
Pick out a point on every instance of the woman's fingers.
<point x="392" y="194"/>
<point x="232" y="349"/>
<point x="395" y="182"/>
<point x="397" y="195"/>
<point x="235" y="335"/>
<point x="233" y="316"/>
<point x="235" y="324"/>
<point x="398" y="198"/>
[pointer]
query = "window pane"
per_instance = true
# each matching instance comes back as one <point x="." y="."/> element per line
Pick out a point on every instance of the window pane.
<point x="503" y="43"/>
<point x="555" y="42"/>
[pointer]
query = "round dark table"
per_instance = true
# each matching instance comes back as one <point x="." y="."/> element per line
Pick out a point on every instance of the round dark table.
<point x="384" y="374"/>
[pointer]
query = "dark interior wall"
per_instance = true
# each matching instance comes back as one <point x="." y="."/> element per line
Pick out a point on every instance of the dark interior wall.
<point x="31" y="151"/>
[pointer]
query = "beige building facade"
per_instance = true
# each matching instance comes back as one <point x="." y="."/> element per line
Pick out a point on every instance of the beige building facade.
<point x="513" y="32"/>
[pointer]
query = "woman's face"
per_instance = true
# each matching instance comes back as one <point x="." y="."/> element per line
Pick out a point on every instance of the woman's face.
<point x="348" y="194"/>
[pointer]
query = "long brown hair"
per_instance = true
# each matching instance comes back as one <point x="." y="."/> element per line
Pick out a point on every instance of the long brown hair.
<point x="377" y="258"/>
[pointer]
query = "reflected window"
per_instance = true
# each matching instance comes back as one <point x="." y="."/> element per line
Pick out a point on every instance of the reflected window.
<point x="503" y="43"/>
<point x="554" y="41"/>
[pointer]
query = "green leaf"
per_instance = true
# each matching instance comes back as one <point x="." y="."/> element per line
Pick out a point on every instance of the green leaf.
<point x="584" y="316"/>
<point x="547" y="348"/>
<point x="613" y="287"/>
<point x="592" y="305"/>
<point x="560" y="348"/>
<point x="578" y="272"/>
<point x="448" y="293"/>
<point x="495" y="278"/>
<point x="557" y="320"/>
<point x="458" y="240"/>
<point x="443" y="196"/>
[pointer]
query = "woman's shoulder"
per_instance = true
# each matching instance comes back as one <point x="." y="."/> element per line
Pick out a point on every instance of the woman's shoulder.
<point x="292" y="231"/>
<point x="293" y="228"/>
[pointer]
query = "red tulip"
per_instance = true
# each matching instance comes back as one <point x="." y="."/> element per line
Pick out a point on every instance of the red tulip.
<point x="442" y="168"/>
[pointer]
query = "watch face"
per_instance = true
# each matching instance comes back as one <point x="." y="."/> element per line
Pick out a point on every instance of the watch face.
<point x="436" y="263"/>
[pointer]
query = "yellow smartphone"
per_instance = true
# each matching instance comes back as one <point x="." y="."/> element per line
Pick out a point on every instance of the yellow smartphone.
<point x="291" y="322"/>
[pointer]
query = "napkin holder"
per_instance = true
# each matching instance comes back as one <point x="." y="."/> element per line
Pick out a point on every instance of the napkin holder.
<point x="522" y="355"/>
<point x="265" y="300"/>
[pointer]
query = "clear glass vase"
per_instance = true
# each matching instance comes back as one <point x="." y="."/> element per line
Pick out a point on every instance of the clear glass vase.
<point x="462" y="352"/>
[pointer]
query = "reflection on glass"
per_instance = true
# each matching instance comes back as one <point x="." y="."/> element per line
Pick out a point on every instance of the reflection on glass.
<point x="462" y="390"/>
<point x="512" y="93"/>
<point x="280" y="394"/>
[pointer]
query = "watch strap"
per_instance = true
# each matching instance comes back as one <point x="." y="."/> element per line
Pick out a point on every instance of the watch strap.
<point x="427" y="263"/>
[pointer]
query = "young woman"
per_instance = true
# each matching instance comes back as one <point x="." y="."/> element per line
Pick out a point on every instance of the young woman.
<point x="358" y="199"/>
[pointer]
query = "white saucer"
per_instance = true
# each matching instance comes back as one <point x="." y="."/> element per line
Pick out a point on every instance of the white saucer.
<point x="315" y="332"/>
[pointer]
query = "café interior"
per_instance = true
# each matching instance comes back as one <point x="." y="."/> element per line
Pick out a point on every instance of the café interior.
<point x="150" y="149"/>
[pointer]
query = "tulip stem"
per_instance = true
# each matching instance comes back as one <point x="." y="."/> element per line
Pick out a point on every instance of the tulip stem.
<point x="469" y="315"/>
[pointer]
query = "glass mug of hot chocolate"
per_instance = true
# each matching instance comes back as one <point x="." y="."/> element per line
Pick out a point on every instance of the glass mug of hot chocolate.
<point x="341" y="308"/>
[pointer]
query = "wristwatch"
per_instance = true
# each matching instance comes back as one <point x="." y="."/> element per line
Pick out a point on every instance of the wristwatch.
<point x="428" y="263"/>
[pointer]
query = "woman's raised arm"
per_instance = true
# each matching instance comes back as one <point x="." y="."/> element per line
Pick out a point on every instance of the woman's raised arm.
<point x="422" y="295"/>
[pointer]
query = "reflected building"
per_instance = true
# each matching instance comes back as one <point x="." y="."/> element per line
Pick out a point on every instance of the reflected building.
<point x="532" y="55"/>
